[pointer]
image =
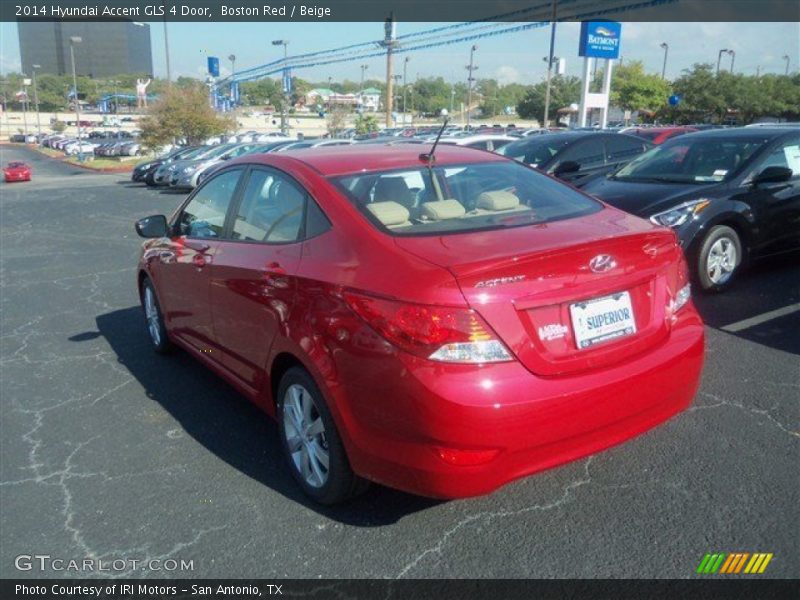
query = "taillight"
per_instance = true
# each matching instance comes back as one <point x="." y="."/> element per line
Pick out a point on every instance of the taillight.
<point x="683" y="288"/>
<point x="442" y="333"/>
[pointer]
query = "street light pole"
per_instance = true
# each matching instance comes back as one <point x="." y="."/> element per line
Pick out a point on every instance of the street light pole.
<point x="786" y="58"/>
<point x="75" y="39"/>
<point x="36" y="101"/>
<point x="719" y="57"/>
<point x="397" y="79"/>
<point x="284" y="122"/>
<point x="232" y="58"/>
<point x="361" y="87"/>
<point x="166" y="44"/>
<point x="24" y="107"/>
<point x="470" y="67"/>
<point x="550" y="63"/>
<point x="405" y="68"/>
<point x="733" y="56"/>
<point x="665" y="46"/>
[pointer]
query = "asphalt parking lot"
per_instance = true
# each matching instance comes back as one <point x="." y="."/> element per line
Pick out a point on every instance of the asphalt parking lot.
<point x="110" y="451"/>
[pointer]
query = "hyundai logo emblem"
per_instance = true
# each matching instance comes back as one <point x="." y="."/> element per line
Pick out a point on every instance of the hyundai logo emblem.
<point x="602" y="263"/>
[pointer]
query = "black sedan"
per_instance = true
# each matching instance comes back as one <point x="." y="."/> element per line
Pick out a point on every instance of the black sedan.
<point x="731" y="195"/>
<point x="576" y="156"/>
<point x="143" y="172"/>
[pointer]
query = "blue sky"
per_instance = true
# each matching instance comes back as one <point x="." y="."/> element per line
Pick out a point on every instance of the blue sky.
<point x="515" y="57"/>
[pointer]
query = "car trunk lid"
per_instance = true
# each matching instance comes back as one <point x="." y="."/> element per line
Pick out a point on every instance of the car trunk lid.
<point x="535" y="287"/>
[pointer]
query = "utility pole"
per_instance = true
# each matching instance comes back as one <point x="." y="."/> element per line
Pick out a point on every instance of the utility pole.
<point x="75" y="39"/>
<point x="397" y="79"/>
<point x="389" y="42"/>
<point x="786" y="58"/>
<point x="550" y="63"/>
<point x="665" y="46"/>
<point x="470" y="67"/>
<point x="405" y="68"/>
<point x="733" y="56"/>
<point x="36" y="102"/>
<point x="286" y="83"/>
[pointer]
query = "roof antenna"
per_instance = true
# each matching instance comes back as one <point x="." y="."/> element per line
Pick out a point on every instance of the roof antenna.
<point x="429" y="156"/>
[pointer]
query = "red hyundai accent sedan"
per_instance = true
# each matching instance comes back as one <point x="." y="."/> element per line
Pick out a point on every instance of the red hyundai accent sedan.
<point x="442" y="326"/>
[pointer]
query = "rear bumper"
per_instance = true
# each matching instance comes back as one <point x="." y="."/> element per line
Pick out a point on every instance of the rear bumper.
<point x="396" y="421"/>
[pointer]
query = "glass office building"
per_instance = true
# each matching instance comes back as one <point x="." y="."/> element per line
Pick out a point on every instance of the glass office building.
<point x="107" y="49"/>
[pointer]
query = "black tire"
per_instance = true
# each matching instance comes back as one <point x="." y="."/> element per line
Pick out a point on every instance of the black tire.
<point x="150" y="179"/>
<point x="341" y="482"/>
<point x="159" y="338"/>
<point x="709" y="279"/>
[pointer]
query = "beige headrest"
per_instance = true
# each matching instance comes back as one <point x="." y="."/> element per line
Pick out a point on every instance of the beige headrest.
<point x="389" y="213"/>
<point x="498" y="200"/>
<point x="443" y="209"/>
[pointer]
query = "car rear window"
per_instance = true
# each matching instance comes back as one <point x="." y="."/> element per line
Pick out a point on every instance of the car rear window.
<point x="462" y="198"/>
<point x="535" y="151"/>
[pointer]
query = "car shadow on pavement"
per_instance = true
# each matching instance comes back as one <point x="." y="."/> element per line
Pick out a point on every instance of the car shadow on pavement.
<point x="762" y="306"/>
<point x="228" y="425"/>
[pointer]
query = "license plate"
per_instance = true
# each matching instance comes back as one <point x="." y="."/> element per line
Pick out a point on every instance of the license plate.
<point x="602" y="319"/>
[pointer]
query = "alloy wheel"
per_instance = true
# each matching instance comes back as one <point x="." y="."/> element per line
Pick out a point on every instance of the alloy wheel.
<point x="722" y="260"/>
<point x="152" y="316"/>
<point x="305" y="436"/>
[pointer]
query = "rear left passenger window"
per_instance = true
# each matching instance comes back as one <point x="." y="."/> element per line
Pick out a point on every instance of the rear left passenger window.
<point x="271" y="209"/>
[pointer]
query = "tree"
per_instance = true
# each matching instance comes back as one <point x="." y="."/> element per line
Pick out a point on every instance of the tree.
<point x="431" y="95"/>
<point x="182" y="113"/>
<point x="262" y="92"/>
<point x="366" y="124"/>
<point x="336" y="120"/>
<point x="564" y="90"/>
<point x="633" y="89"/>
<point x="495" y="97"/>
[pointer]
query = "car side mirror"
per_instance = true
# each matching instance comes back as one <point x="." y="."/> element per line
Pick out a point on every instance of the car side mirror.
<point x="773" y="175"/>
<point x="568" y="166"/>
<point x="154" y="226"/>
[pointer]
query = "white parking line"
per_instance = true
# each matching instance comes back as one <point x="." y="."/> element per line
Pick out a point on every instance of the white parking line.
<point x="762" y="318"/>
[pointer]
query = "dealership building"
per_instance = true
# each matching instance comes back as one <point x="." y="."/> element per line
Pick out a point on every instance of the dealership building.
<point x="105" y="50"/>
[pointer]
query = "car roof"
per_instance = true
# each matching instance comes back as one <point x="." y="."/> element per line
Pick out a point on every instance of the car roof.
<point x="660" y="128"/>
<point x="478" y="137"/>
<point x="740" y="133"/>
<point x="355" y="158"/>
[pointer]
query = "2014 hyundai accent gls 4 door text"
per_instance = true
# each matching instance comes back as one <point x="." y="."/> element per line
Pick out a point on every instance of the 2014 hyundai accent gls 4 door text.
<point x="442" y="325"/>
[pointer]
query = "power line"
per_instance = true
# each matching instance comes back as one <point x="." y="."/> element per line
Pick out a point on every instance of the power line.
<point x="441" y="36"/>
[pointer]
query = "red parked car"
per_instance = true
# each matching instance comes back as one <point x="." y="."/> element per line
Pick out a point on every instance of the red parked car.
<point x="658" y="135"/>
<point x="443" y="327"/>
<point x="17" y="171"/>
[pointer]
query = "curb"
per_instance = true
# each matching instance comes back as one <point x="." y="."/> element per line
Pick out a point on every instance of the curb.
<point x="35" y="148"/>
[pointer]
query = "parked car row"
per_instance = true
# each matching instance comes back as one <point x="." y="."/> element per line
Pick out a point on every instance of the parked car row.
<point x="184" y="168"/>
<point x="96" y="143"/>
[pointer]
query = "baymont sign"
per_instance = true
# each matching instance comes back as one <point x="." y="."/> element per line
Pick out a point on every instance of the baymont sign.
<point x="600" y="39"/>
